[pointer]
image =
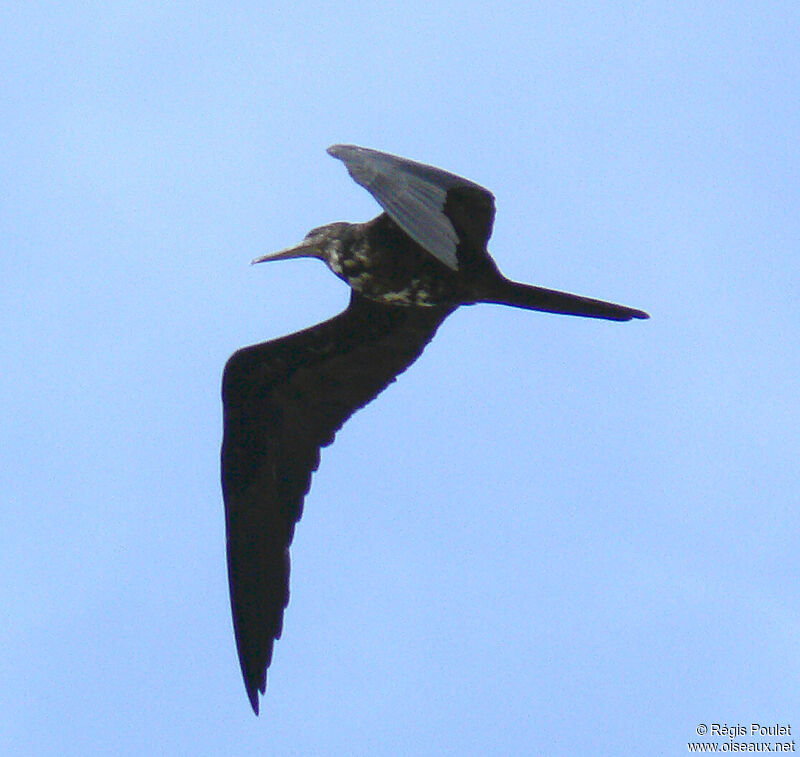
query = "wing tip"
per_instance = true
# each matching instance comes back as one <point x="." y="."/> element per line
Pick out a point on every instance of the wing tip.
<point x="252" y="694"/>
<point x="253" y="687"/>
<point x="340" y="151"/>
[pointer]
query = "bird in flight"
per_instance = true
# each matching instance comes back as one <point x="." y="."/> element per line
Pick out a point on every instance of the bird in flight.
<point x="284" y="400"/>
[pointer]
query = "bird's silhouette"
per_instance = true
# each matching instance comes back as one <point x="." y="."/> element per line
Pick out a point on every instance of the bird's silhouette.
<point x="284" y="400"/>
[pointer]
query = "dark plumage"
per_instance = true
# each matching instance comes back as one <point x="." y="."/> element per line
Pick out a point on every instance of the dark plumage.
<point x="283" y="400"/>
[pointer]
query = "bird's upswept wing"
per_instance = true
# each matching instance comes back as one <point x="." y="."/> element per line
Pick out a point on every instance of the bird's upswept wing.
<point x="283" y="400"/>
<point x="440" y="211"/>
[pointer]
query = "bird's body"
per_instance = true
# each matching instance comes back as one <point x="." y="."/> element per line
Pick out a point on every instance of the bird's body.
<point x="408" y="269"/>
<point x="380" y="262"/>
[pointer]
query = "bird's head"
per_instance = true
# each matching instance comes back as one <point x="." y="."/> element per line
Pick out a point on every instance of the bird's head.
<point x="324" y="242"/>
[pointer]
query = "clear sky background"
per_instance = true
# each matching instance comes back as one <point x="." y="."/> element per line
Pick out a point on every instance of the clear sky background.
<point x="552" y="535"/>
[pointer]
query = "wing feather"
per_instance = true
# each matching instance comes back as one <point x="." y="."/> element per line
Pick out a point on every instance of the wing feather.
<point x="419" y="198"/>
<point x="282" y="401"/>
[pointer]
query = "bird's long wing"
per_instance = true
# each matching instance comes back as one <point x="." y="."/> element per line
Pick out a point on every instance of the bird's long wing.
<point x="440" y="211"/>
<point x="284" y="400"/>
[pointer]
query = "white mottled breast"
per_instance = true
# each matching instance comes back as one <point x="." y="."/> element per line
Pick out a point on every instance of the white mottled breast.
<point x="360" y="268"/>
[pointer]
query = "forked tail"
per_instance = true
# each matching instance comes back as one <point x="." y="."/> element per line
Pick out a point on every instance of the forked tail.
<point x="505" y="292"/>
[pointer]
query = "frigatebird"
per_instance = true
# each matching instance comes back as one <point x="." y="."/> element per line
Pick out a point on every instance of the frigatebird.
<point x="284" y="400"/>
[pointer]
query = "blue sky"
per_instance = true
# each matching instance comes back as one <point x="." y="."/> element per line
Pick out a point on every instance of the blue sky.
<point x="551" y="535"/>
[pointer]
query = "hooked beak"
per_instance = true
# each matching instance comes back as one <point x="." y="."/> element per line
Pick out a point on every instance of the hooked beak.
<point x="305" y="249"/>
